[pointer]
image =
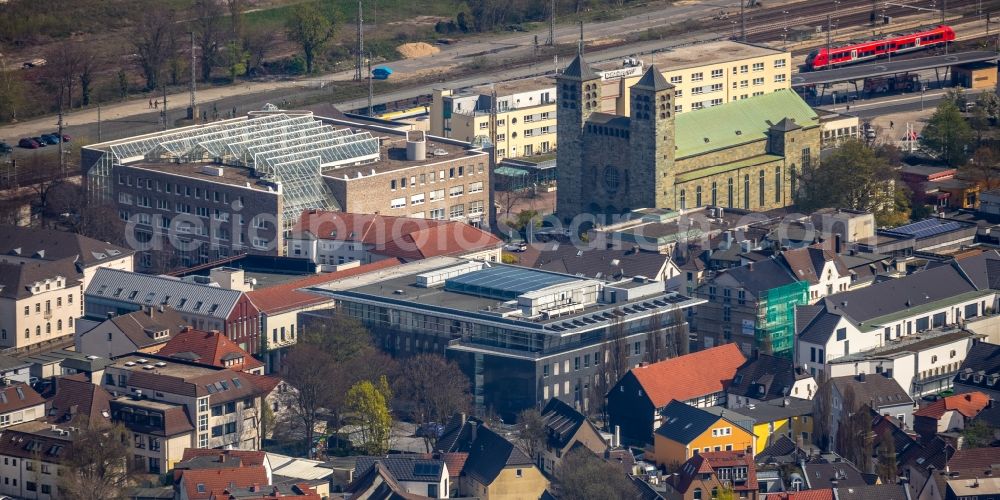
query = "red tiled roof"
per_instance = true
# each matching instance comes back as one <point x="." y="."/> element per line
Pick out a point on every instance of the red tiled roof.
<point x="217" y="481"/>
<point x="821" y="494"/>
<point x="213" y="348"/>
<point x="18" y="397"/>
<point x="454" y="460"/>
<point x="690" y="376"/>
<point x="75" y="395"/>
<point x="247" y="457"/>
<point x="289" y="295"/>
<point x="974" y="461"/>
<point x="708" y="462"/>
<point x="403" y="237"/>
<point x="968" y="404"/>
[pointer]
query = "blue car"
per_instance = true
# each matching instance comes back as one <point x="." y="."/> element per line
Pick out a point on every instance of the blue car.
<point x="51" y="139"/>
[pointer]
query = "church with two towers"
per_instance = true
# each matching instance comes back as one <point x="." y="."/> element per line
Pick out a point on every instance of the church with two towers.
<point x="744" y="154"/>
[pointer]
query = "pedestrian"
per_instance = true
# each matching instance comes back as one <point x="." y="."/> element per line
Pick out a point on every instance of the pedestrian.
<point x="234" y="111"/>
<point x="891" y="124"/>
<point x="156" y="104"/>
<point x="150" y="104"/>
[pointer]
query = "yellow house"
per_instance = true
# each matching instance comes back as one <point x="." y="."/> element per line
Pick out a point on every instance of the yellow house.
<point x="789" y="417"/>
<point x="498" y="470"/>
<point x="687" y="430"/>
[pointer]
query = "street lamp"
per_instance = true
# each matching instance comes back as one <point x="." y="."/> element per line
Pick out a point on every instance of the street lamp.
<point x="923" y="89"/>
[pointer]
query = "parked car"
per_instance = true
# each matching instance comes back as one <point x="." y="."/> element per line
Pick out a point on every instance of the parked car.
<point x="65" y="138"/>
<point x="430" y="430"/>
<point x="28" y="143"/>
<point x="41" y="142"/>
<point x="52" y="139"/>
<point x="5" y="148"/>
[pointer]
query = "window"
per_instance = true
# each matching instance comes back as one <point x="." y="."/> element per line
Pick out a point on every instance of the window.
<point x="397" y="203"/>
<point x="717" y="73"/>
<point x="758" y="81"/>
<point x="202" y="422"/>
<point x="456" y="191"/>
<point x="779" y="78"/>
<point x="476" y="207"/>
<point x="203" y="440"/>
<point x="758" y="66"/>
<point x="760" y="188"/>
<point x="437" y="195"/>
<point x="231" y="428"/>
<point x="437" y="214"/>
<point x="230" y="407"/>
<point x="476" y="187"/>
<point x="217" y="431"/>
<point x="697" y="494"/>
<point x="697" y="77"/>
<point x="417" y="199"/>
<point x="457" y="211"/>
<point x="842" y="334"/>
<point x="217" y="411"/>
<point x="779" y="63"/>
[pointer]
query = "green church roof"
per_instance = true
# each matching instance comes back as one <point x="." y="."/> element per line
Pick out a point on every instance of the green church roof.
<point x="739" y="122"/>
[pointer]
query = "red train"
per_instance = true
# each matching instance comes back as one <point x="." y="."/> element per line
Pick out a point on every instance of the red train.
<point x="859" y="52"/>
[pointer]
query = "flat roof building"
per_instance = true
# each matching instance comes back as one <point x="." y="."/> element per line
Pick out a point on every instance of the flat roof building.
<point x="204" y="192"/>
<point x="522" y="336"/>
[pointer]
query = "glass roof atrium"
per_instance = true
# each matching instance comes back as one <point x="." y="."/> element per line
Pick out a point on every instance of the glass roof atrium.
<point x="288" y="150"/>
<point x="504" y="283"/>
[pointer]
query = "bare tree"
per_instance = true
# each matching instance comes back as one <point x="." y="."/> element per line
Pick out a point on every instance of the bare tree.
<point x="90" y="218"/>
<point x="887" y="469"/>
<point x="613" y="367"/>
<point x="236" y="9"/>
<point x="96" y="465"/>
<point x="258" y="45"/>
<point x="507" y="199"/>
<point x="531" y="433"/>
<point x="657" y="347"/>
<point x="11" y="91"/>
<point x="64" y="61"/>
<point x="154" y="39"/>
<point x="680" y="343"/>
<point x="430" y="389"/>
<point x="309" y="371"/>
<point x="208" y="27"/>
<point x="582" y="475"/>
<point x="92" y="61"/>
<point x="822" y="407"/>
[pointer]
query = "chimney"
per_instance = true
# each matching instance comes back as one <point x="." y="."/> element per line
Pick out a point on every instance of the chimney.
<point x="473" y="429"/>
<point x="750" y="266"/>
<point x="618" y="436"/>
<point x="836" y="243"/>
<point x="111" y="314"/>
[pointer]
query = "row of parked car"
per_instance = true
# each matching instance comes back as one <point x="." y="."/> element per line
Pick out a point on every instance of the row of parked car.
<point x="42" y="141"/>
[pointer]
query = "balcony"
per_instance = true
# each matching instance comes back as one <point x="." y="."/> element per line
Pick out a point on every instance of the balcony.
<point x="47" y="314"/>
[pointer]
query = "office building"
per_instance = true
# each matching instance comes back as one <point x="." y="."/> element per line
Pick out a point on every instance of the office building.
<point x="204" y="192"/>
<point x="522" y="336"/>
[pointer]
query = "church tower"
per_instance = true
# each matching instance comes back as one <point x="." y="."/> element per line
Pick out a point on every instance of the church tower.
<point x="651" y="110"/>
<point x="579" y="94"/>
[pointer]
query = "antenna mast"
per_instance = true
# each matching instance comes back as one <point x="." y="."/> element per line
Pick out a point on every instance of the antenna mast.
<point x="552" y="24"/>
<point x="359" y="65"/>
<point x="193" y="109"/>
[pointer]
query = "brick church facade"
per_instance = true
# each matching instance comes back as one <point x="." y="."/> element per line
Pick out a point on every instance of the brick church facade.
<point x="745" y="154"/>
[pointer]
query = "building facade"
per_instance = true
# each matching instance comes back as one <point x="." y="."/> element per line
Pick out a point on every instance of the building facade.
<point x="522" y="336"/>
<point x="39" y="302"/>
<point x="520" y="116"/>
<point x="612" y="163"/>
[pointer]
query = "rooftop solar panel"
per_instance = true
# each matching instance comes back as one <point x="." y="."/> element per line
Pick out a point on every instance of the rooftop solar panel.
<point x="927" y="228"/>
<point x="503" y="282"/>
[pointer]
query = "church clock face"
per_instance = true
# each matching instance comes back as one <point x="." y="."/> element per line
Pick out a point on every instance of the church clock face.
<point x="611" y="178"/>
